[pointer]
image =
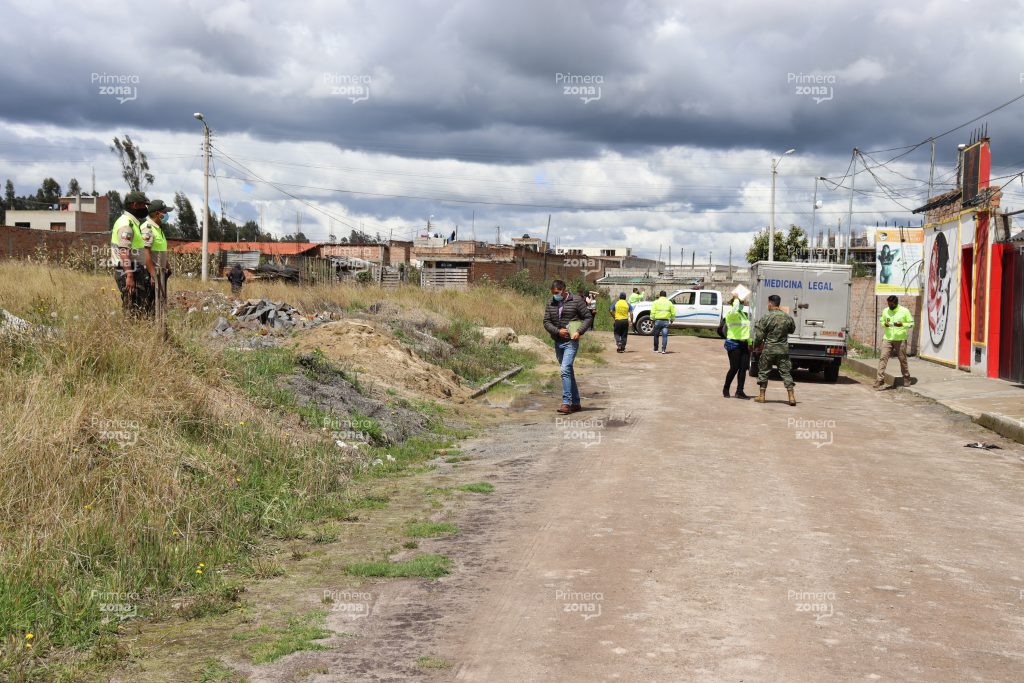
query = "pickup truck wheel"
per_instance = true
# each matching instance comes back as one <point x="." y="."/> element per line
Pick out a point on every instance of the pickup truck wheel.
<point x="645" y="326"/>
<point x="832" y="371"/>
<point x="754" y="359"/>
<point x="721" y="329"/>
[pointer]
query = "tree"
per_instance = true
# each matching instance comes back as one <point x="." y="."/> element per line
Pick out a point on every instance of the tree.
<point x="250" y="232"/>
<point x="359" y="237"/>
<point x="116" y="207"/>
<point x="9" y="196"/>
<point x="185" y="218"/>
<point x="134" y="166"/>
<point x="49" y="192"/>
<point x="73" y="187"/>
<point x="788" y="247"/>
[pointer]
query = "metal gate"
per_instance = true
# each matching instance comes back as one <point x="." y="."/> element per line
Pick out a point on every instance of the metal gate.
<point x="444" y="278"/>
<point x="1011" y="332"/>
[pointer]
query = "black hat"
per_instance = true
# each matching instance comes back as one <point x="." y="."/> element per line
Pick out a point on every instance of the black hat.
<point x="158" y="205"/>
<point x="136" y="197"/>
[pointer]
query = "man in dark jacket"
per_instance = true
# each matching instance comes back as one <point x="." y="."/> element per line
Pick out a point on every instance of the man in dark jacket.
<point x="567" y="318"/>
<point x="236" y="276"/>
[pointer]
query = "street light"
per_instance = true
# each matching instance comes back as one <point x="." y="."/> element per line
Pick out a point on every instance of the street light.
<point x="206" y="196"/>
<point x="771" y="226"/>
<point x="815" y="206"/>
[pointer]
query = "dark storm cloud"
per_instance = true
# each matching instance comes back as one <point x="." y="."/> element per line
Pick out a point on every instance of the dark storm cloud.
<point x="452" y="80"/>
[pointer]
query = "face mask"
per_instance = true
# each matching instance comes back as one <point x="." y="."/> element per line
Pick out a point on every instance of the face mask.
<point x="139" y="213"/>
<point x="163" y="219"/>
<point x="558" y="297"/>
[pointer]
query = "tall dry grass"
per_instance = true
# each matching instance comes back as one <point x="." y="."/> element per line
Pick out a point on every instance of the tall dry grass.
<point x="126" y="461"/>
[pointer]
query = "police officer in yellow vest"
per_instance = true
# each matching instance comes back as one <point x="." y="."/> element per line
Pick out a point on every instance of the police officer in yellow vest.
<point x="635" y="298"/>
<point x="622" y="319"/>
<point x="126" y="254"/>
<point x="154" y="244"/>
<point x="663" y="313"/>
<point x="737" y="345"/>
<point x="897" y="321"/>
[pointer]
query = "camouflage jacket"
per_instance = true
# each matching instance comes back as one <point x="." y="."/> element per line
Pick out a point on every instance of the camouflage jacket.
<point x="773" y="330"/>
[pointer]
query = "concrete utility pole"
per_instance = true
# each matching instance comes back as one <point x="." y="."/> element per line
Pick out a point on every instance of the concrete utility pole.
<point x="771" y="225"/>
<point x="206" y="198"/>
<point x="814" y="208"/>
<point x="849" y="214"/>
<point x="931" y="172"/>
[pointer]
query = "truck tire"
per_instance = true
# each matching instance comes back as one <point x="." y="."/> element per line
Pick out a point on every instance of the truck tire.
<point x="644" y="325"/>
<point x="832" y="371"/>
<point x="754" y="359"/>
<point x="721" y="329"/>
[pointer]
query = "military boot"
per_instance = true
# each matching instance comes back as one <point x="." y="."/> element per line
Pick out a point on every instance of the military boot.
<point x="792" y="396"/>
<point x="760" y="395"/>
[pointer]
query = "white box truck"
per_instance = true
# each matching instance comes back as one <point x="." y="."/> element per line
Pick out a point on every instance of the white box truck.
<point x="817" y="295"/>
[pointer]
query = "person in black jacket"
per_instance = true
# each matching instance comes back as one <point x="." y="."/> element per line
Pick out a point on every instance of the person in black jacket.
<point x="236" y="276"/>
<point x="567" y="318"/>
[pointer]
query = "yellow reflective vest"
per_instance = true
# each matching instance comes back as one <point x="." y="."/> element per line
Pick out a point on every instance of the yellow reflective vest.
<point x="663" y="309"/>
<point x="737" y="323"/>
<point x="123" y="221"/>
<point x="899" y="315"/>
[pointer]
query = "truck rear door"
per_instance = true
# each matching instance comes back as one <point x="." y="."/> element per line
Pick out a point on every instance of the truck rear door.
<point x="821" y="305"/>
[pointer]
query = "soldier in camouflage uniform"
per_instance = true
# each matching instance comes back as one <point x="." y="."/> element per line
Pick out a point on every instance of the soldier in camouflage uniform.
<point x="771" y="341"/>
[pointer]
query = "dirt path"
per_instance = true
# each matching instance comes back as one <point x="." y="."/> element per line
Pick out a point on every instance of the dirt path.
<point x="669" y="534"/>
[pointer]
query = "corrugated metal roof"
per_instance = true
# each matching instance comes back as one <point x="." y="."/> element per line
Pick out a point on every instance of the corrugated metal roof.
<point x="271" y="248"/>
<point x="250" y="260"/>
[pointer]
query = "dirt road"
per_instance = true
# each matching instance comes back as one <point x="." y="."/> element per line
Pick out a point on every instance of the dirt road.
<point x="669" y="534"/>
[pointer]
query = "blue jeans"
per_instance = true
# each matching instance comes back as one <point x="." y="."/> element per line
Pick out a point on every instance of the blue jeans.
<point x="565" y="352"/>
<point x="661" y="328"/>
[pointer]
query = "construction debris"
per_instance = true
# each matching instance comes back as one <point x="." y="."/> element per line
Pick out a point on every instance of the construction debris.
<point x="277" y="315"/>
<point x="12" y="323"/>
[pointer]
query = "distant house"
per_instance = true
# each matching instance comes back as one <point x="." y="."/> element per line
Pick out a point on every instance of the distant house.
<point x="80" y="213"/>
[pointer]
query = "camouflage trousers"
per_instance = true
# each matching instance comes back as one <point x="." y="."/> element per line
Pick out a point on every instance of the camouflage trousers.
<point x="778" y="358"/>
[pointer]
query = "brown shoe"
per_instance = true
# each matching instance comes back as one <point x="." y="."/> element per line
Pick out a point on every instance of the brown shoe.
<point x="760" y="396"/>
<point x="575" y="408"/>
<point x="792" y="396"/>
<point x="565" y="409"/>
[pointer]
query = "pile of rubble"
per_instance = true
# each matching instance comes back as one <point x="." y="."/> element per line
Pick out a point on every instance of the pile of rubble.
<point x="273" y="314"/>
<point x="12" y="325"/>
<point x="266" y="316"/>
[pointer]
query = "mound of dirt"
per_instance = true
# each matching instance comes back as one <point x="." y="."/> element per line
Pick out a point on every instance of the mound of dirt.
<point x="332" y="393"/>
<point x="379" y="359"/>
<point x="503" y="335"/>
<point x="543" y="352"/>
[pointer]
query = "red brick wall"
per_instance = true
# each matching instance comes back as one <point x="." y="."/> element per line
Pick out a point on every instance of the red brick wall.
<point x="527" y="259"/>
<point x="367" y="252"/>
<point x="24" y="242"/>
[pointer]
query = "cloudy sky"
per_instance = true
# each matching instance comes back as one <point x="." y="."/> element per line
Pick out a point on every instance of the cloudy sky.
<point x="381" y="113"/>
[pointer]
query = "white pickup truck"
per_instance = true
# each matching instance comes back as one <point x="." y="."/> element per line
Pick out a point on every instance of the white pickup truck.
<point x="695" y="308"/>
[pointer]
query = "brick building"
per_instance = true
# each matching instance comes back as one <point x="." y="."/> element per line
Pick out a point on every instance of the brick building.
<point x="463" y="262"/>
<point x="81" y="213"/>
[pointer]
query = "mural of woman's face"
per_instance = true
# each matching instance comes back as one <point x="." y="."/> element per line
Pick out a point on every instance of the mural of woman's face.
<point x="938" y="290"/>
